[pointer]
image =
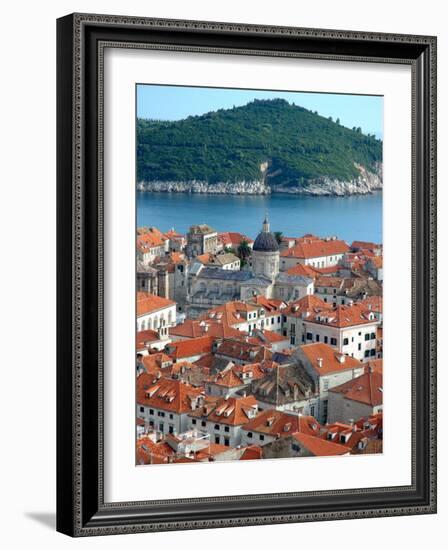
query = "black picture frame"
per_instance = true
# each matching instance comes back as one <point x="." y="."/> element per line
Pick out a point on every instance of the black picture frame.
<point x="81" y="510"/>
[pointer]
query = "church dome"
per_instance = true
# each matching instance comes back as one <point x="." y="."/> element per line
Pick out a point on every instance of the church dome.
<point x="266" y="241"/>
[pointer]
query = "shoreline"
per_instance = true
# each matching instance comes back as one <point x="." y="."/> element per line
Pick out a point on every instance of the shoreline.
<point x="262" y="194"/>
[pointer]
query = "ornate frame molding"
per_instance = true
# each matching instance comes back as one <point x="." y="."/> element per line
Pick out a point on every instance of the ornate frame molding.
<point x="81" y="42"/>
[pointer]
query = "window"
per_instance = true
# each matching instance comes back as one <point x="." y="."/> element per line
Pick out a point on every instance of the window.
<point x="226" y="429"/>
<point x="372" y="353"/>
<point x="372" y="336"/>
<point x="293" y="329"/>
<point x="295" y="448"/>
<point x="226" y="441"/>
<point x="142" y="409"/>
<point x="334" y="291"/>
<point x="194" y="421"/>
<point x="249" y="434"/>
<point x="278" y="319"/>
<point x="284" y="318"/>
<point x="325" y="339"/>
<point x="359" y="347"/>
<point x="261" y="437"/>
<point x="333" y="342"/>
<point x="217" y="439"/>
<point x="312" y="410"/>
<point x="171" y="429"/>
<point x="272" y="320"/>
<point x="171" y="417"/>
<point x="317" y="337"/>
<point x="345" y="342"/>
<point x="367" y="353"/>
<point x="151" y="411"/>
<point x="203" y="423"/>
<point x="325" y="385"/>
<point x="367" y="336"/>
<point x="309" y="336"/>
<point x="161" y="426"/>
<point x="217" y="427"/>
<point x="292" y="340"/>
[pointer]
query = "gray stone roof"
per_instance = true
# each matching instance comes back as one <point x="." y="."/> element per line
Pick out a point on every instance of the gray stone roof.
<point x="292" y="279"/>
<point x="258" y="280"/>
<point x="224" y="274"/>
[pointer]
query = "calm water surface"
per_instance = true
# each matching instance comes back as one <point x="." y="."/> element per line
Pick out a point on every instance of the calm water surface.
<point x="350" y="218"/>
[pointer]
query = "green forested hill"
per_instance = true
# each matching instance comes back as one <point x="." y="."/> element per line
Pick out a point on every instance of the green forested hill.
<point x="231" y="145"/>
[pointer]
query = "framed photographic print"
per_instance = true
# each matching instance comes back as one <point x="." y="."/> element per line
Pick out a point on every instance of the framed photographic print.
<point x="246" y="274"/>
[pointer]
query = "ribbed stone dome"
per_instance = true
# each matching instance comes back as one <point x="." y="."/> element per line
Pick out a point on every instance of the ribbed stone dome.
<point x="265" y="242"/>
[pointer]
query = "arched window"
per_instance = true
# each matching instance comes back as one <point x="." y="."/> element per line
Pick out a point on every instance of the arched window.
<point x="150" y="323"/>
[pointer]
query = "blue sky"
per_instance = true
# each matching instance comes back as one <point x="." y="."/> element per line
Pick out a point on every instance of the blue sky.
<point x="178" y="102"/>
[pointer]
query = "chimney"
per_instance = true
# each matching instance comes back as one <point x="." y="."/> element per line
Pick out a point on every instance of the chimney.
<point x="320" y="362"/>
<point x="340" y="357"/>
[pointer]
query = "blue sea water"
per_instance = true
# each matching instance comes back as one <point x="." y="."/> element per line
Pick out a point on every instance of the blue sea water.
<point x="357" y="217"/>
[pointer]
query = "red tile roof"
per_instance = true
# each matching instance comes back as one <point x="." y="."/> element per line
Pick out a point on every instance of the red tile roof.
<point x="303" y="270"/>
<point x="145" y="338"/>
<point x="183" y="349"/>
<point x="329" y="282"/>
<point x="172" y="234"/>
<point x="367" y="389"/>
<point x="280" y="424"/>
<point x="343" y="316"/>
<point x="230" y="313"/>
<point x="256" y="370"/>
<point x="315" y="249"/>
<point x="208" y="327"/>
<point x="233" y="239"/>
<point x="233" y="411"/>
<point x="227" y="378"/>
<point x="149" y="452"/>
<point x="319" y="447"/>
<point x="325" y="360"/>
<point x="148" y="303"/>
<point x="305" y="306"/>
<point x="155" y="361"/>
<point x="271" y="306"/>
<point x="243" y="351"/>
<point x="252" y="452"/>
<point x="167" y="394"/>
<point x="149" y="240"/>
<point x="364" y="244"/>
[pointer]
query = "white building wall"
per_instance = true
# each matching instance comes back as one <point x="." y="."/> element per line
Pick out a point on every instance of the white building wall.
<point x="350" y="341"/>
<point x="255" y="438"/>
<point x="161" y="319"/>
<point x="222" y="434"/>
<point x="322" y="261"/>
<point x="161" y="420"/>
